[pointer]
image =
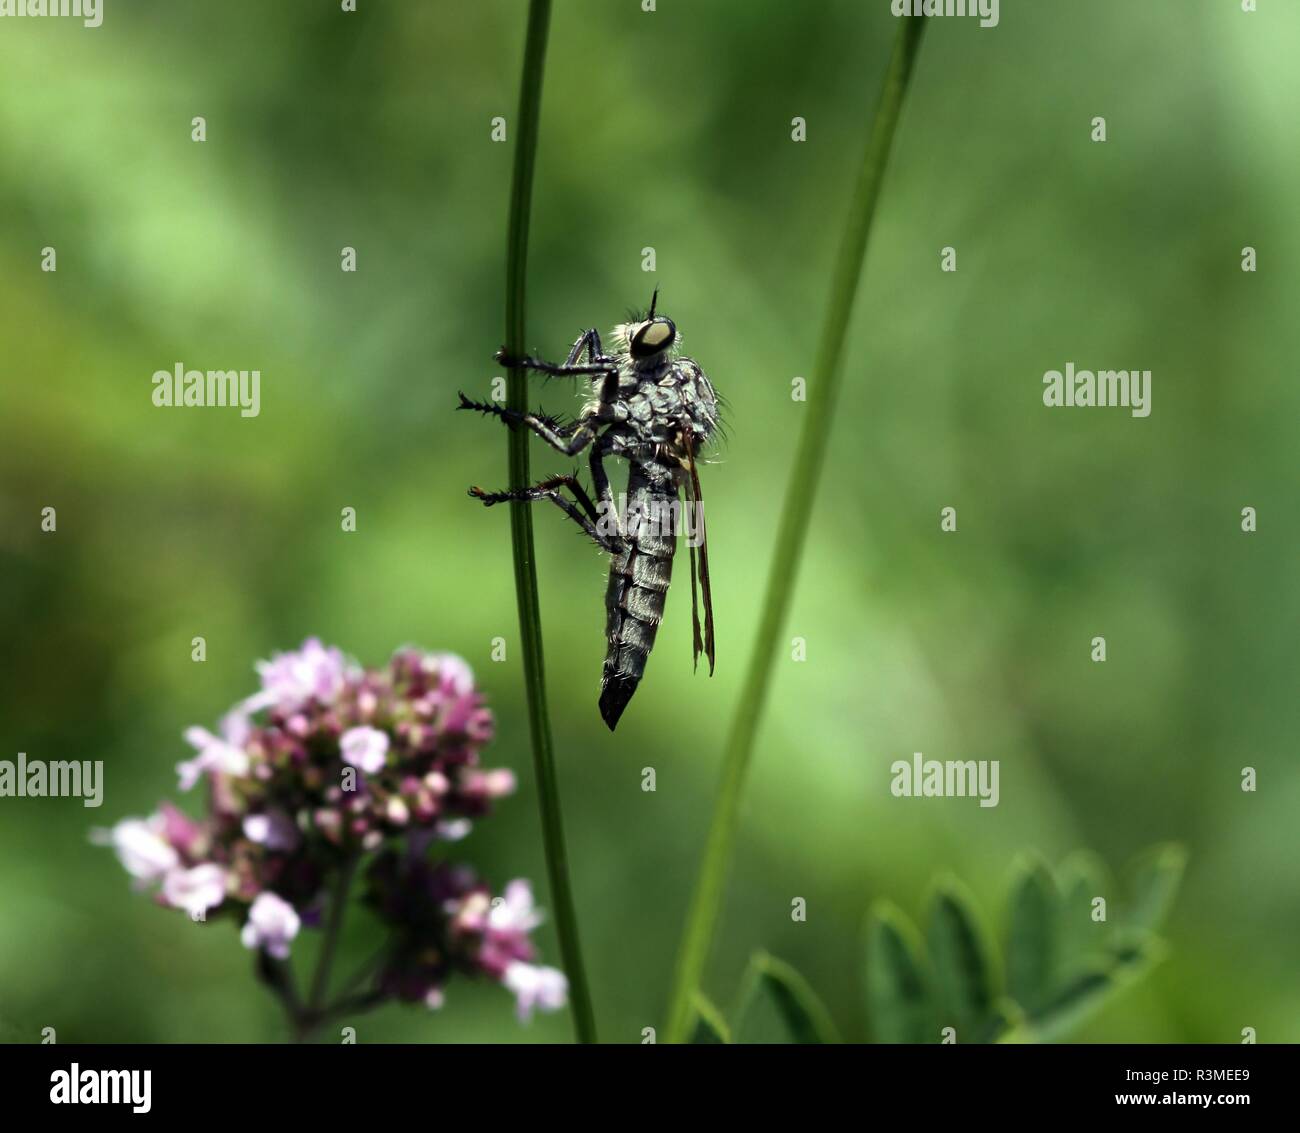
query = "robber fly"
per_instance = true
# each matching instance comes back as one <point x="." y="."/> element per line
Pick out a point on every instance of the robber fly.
<point x="656" y="409"/>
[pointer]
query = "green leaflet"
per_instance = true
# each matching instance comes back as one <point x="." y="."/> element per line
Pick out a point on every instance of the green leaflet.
<point x="1033" y="935"/>
<point x="960" y="953"/>
<point x="1155" y="878"/>
<point x="709" y="1027"/>
<point x="1087" y="993"/>
<point x="1083" y="878"/>
<point x="900" y="999"/>
<point x="778" y="1006"/>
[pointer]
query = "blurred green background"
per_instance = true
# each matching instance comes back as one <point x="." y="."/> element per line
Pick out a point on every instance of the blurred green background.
<point x="668" y="130"/>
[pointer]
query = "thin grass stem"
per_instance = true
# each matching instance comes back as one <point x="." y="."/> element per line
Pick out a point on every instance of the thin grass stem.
<point x="791" y="535"/>
<point x="521" y="527"/>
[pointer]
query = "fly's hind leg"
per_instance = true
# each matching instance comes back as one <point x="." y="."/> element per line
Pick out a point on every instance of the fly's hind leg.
<point x="568" y="439"/>
<point x="590" y="522"/>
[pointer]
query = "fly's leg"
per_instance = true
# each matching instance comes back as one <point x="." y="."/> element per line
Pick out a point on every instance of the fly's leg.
<point x="588" y="341"/>
<point x="600" y="485"/>
<point x="556" y="370"/>
<point x="537" y="491"/>
<point x="548" y="490"/>
<point x="570" y="439"/>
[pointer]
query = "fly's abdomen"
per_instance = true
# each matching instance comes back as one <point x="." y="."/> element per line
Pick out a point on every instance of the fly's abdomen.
<point x="634" y="598"/>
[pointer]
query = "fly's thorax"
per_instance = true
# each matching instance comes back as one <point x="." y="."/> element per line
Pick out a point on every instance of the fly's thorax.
<point x="699" y="398"/>
<point x="635" y="374"/>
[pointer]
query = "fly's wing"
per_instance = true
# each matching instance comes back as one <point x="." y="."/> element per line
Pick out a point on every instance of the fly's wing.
<point x="700" y="562"/>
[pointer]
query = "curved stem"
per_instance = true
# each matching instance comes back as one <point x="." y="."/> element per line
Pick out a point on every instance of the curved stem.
<point x="791" y="534"/>
<point x="521" y="527"/>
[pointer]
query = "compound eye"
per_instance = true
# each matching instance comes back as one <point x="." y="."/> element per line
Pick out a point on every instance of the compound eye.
<point x="654" y="337"/>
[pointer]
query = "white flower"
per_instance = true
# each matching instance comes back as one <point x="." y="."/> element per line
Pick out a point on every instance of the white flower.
<point x="272" y="924"/>
<point x="494" y="784"/>
<point x="452" y="829"/>
<point x="453" y="672"/>
<point x="141" y="848"/>
<point x="514" y="913"/>
<point x="195" y="890"/>
<point x="223" y="754"/>
<point x="289" y="680"/>
<point x="364" y="748"/>
<point x="275" y="830"/>
<point x="536" y="987"/>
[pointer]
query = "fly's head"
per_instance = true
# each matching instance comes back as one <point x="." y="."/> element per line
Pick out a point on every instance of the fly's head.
<point x="647" y="341"/>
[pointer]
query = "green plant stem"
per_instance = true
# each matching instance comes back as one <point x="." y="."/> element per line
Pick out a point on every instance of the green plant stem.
<point x="306" y="1018"/>
<point x="521" y="527"/>
<point x="791" y="533"/>
<point x="278" y="976"/>
<point x="329" y="946"/>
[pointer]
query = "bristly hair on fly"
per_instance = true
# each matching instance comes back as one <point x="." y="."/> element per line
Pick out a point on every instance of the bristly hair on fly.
<point x="635" y="315"/>
<point x="619" y="335"/>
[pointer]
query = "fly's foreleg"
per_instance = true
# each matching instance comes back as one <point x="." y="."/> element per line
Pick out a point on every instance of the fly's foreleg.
<point x="596" y="366"/>
<point x="570" y="440"/>
<point x="548" y="490"/>
<point x="588" y="340"/>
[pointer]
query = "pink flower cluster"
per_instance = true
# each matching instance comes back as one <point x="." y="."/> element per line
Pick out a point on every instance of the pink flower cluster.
<point x="329" y="762"/>
<point x="443" y="920"/>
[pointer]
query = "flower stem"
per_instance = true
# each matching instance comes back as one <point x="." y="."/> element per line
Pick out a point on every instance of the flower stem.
<point x="338" y="907"/>
<point x="521" y="526"/>
<point x="278" y="976"/>
<point x="791" y="532"/>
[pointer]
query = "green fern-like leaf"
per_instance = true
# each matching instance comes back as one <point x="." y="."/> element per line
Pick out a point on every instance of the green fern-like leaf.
<point x="963" y="967"/>
<point x="778" y="1006"/>
<point x="900" y="995"/>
